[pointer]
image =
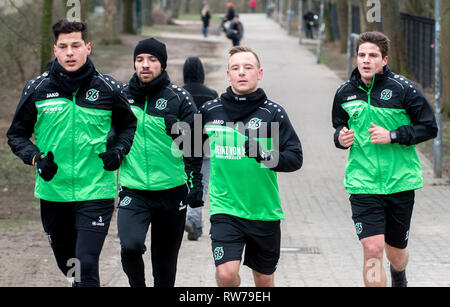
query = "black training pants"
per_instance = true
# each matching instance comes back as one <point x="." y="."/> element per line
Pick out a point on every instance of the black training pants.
<point x="166" y="212"/>
<point x="76" y="232"/>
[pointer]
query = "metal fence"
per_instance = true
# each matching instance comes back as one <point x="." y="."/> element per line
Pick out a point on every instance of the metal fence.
<point x="419" y="43"/>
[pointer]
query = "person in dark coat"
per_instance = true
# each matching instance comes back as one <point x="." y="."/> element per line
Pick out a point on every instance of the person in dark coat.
<point x="236" y="31"/>
<point x="206" y="16"/>
<point x="194" y="78"/>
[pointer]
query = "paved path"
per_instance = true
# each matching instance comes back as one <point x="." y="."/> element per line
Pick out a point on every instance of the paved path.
<point x="319" y="244"/>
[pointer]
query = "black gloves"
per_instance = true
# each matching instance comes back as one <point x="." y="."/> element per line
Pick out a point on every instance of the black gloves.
<point x="194" y="197"/>
<point x="46" y="166"/>
<point x="254" y="150"/>
<point x="112" y="159"/>
<point x="169" y="121"/>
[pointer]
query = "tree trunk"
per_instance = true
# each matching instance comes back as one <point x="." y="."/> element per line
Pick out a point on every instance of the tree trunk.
<point x="343" y="23"/>
<point x="46" y="33"/>
<point x="109" y="22"/>
<point x="393" y="28"/>
<point x="128" y="20"/>
<point x="176" y="9"/>
<point x="147" y="13"/>
<point x="445" y="53"/>
<point x="328" y="21"/>
<point x="84" y="9"/>
<point x="366" y="25"/>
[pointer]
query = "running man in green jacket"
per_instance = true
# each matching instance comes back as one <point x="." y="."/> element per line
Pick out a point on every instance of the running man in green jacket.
<point x="251" y="139"/>
<point x="158" y="179"/>
<point x="71" y="109"/>
<point x="381" y="116"/>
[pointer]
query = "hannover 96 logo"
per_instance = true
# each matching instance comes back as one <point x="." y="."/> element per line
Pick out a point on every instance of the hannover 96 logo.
<point x="161" y="104"/>
<point x="218" y="253"/>
<point x="92" y="95"/>
<point x="254" y="123"/>
<point x="386" y="94"/>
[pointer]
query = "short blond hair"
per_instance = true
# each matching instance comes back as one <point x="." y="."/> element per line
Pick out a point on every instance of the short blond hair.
<point x="239" y="49"/>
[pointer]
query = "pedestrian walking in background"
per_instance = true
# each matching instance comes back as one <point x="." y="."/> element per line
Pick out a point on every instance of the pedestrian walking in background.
<point x="244" y="128"/>
<point x="380" y="116"/>
<point x="309" y="24"/>
<point x="206" y="16"/>
<point x="194" y="78"/>
<point x="253" y="5"/>
<point x="229" y="15"/>
<point x="154" y="175"/>
<point x="71" y="109"/>
<point x="235" y="31"/>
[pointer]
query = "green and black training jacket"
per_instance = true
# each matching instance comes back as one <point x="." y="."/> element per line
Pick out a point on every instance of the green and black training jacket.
<point x="155" y="161"/>
<point x="239" y="185"/>
<point x="396" y="104"/>
<point x="74" y="125"/>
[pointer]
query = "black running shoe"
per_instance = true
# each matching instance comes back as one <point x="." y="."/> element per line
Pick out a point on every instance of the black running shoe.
<point x="398" y="279"/>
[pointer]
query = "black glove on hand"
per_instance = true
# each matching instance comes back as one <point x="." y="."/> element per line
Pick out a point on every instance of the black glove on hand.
<point x="170" y="120"/>
<point x="254" y="150"/>
<point x="46" y="166"/>
<point x="194" y="198"/>
<point x="111" y="159"/>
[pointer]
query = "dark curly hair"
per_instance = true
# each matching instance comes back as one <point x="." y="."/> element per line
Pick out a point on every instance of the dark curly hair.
<point x="65" y="26"/>
<point x="377" y="38"/>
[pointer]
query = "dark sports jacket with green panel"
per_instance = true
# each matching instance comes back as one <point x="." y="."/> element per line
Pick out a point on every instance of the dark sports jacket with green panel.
<point x="155" y="162"/>
<point x="239" y="185"/>
<point x="396" y="104"/>
<point x="74" y="125"/>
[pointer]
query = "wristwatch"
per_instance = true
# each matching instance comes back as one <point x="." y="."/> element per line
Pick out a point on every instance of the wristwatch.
<point x="393" y="135"/>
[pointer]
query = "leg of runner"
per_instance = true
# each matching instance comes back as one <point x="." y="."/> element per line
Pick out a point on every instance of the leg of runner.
<point x="374" y="275"/>
<point x="263" y="280"/>
<point x="227" y="274"/>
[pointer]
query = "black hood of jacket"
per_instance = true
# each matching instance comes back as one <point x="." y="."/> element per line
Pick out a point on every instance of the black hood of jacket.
<point x="193" y="71"/>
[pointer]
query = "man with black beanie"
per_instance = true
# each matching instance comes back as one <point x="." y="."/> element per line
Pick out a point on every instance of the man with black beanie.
<point x="70" y="109"/>
<point x="155" y="174"/>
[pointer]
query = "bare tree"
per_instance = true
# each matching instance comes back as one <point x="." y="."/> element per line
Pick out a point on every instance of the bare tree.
<point x="46" y="34"/>
<point x="128" y="17"/>
<point x="343" y="23"/>
<point x="366" y="25"/>
<point x="109" y="22"/>
<point x="147" y="13"/>
<point x="84" y="9"/>
<point x="393" y="28"/>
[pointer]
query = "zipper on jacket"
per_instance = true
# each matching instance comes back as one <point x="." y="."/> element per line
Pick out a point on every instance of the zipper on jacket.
<point x="145" y="142"/>
<point x="74" y="96"/>
<point x="370" y="120"/>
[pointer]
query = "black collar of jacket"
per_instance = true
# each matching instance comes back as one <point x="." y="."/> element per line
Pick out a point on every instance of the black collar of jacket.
<point x="139" y="92"/>
<point x="238" y="107"/>
<point x="70" y="81"/>
<point x="356" y="80"/>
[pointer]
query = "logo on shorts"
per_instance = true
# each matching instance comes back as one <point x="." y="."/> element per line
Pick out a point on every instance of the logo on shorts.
<point x="359" y="228"/>
<point x="99" y="223"/>
<point x="407" y="236"/>
<point x="125" y="201"/>
<point x="218" y="253"/>
<point x="182" y="206"/>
